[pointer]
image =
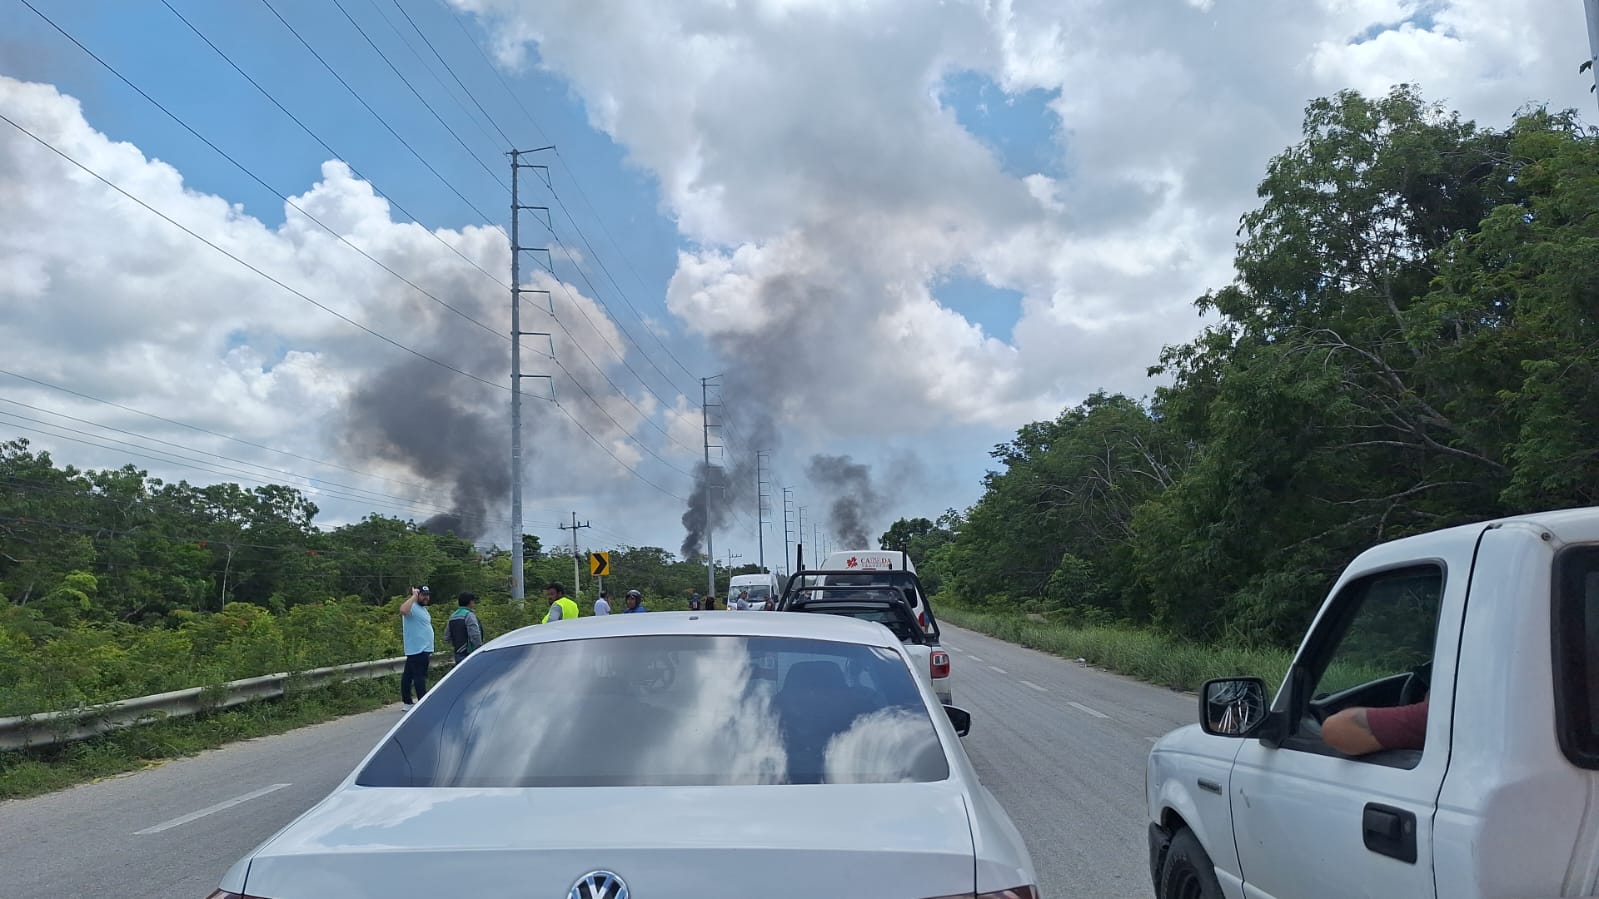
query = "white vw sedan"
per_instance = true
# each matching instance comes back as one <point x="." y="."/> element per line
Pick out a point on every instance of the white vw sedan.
<point x="590" y="760"/>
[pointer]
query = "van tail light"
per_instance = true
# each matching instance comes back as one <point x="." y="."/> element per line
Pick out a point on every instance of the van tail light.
<point x="921" y="619"/>
<point x="1027" y="892"/>
<point x="939" y="664"/>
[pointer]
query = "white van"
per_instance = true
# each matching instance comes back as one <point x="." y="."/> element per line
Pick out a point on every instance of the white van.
<point x="763" y="590"/>
<point x="868" y="560"/>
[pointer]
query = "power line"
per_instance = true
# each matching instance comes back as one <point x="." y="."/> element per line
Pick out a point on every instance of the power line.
<point x="201" y="430"/>
<point x="185" y="229"/>
<point x="169" y="458"/>
<point x="257" y="178"/>
<point x="375" y="114"/>
<point x="376" y="496"/>
<point x="477" y="45"/>
<point x="414" y="92"/>
<point x="447" y="68"/>
<point x="417" y="54"/>
<point x="336" y="154"/>
<point x="597" y="442"/>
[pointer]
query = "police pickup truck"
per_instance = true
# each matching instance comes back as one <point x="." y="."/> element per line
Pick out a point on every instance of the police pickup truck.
<point x="920" y="633"/>
<point x="1486" y="638"/>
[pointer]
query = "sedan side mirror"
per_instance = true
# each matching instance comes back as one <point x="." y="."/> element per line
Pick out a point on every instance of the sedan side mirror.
<point x="1232" y="706"/>
<point x="961" y="718"/>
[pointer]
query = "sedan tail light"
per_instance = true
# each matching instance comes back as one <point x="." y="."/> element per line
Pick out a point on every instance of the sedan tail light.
<point x="1027" y="892"/>
<point x="939" y="663"/>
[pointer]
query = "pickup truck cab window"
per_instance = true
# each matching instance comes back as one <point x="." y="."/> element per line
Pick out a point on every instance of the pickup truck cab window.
<point x="1576" y="653"/>
<point x="1375" y="650"/>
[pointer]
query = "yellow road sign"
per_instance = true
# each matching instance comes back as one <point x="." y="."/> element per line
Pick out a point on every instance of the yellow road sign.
<point x="600" y="564"/>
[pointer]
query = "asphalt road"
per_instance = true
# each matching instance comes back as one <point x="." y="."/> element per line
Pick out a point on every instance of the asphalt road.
<point x="1060" y="745"/>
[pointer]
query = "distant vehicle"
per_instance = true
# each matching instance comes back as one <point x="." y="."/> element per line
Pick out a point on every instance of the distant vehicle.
<point x="870" y="560"/>
<point x="610" y="756"/>
<point x="762" y="587"/>
<point x="886" y="606"/>
<point x="877" y="566"/>
<point x="1488" y="793"/>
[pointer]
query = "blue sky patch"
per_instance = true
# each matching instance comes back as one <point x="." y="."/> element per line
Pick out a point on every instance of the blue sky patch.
<point x="1020" y="128"/>
<point x="995" y="309"/>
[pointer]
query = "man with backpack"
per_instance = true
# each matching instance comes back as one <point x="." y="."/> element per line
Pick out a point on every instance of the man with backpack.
<point x="465" y="630"/>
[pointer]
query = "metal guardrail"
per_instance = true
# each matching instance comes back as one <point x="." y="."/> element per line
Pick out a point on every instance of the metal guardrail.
<point x="48" y="728"/>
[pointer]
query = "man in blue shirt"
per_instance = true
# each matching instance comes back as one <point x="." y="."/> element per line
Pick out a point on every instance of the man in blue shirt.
<point x="416" y="631"/>
<point x="635" y="602"/>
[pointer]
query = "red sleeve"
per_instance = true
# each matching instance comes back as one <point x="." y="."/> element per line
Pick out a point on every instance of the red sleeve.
<point x="1401" y="727"/>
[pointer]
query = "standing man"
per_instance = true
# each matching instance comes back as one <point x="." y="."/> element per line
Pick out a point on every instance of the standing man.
<point x="602" y="606"/>
<point x="464" y="630"/>
<point x="416" y="632"/>
<point x="694" y="601"/>
<point x="635" y="602"/>
<point x="562" y="608"/>
<point x="743" y="601"/>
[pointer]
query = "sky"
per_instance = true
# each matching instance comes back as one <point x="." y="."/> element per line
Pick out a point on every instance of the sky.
<point x="265" y="240"/>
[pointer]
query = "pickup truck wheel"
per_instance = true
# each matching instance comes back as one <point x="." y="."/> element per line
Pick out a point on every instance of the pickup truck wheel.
<point x="1188" y="872"/>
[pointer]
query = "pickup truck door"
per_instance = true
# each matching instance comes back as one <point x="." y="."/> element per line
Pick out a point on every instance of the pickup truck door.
<point x="1310" y="822"/>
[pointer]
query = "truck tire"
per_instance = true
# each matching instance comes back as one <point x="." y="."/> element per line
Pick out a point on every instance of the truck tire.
<point x="1188" y="872"/>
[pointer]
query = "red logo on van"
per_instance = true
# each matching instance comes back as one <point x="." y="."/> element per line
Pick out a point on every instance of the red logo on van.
<point x="852" y="563"/>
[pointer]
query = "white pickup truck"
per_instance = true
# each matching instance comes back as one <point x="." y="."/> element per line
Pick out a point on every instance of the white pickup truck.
<point x="1495" y="627"/>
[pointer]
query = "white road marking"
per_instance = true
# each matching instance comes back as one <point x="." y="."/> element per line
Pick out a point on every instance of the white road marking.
<point x="210" y="810"/>
<point x="996" y="670"/>
<point x="1153" y="739"/>
<point x="974" y="658"/>
<point x="1083" y="708"/>
<point x="1028" y="683"/>
<point x="953" y="648"/>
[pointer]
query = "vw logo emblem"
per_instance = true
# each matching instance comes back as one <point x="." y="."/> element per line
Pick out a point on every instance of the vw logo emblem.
<point x="598" y="885"/>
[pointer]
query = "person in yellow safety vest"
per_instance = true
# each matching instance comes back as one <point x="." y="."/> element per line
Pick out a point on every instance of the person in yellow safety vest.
<point x="562" y="608"/>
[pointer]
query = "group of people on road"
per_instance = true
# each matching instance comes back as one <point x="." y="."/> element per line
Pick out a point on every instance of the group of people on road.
<point x="465" y="630"/>
<point x="741" y="602"/>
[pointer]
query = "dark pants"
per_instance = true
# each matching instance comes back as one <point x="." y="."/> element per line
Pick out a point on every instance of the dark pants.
<point x="415" y="673"/>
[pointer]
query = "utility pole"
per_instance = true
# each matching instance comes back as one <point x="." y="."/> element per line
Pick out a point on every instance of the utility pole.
<point x="705" y="422"/>
<point x="577" y="590"/>
<point x="761" y="506"/>
<point x="788" y="509"/>
<point x="730" y="558"/>
<point x="517" y="561"/>
<point x="799" y="545"/>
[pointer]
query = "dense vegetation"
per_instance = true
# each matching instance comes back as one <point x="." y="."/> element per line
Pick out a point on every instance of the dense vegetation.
<point x="1411" y="342"/>
<point x="114" y="584"/>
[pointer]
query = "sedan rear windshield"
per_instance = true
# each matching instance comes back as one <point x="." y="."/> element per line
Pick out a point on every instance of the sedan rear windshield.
<point x="667" y="711"/>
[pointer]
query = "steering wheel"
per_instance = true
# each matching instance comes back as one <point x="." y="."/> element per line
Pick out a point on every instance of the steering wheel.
<point x="1416" y="685"/>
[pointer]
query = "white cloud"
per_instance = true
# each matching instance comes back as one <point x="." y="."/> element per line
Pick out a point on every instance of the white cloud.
<point x="802" y="150"/>
<point x="103" y="297"/>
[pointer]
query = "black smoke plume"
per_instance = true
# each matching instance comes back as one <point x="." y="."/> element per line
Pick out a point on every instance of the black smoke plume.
<point x="744" y="427"/>
<point x="855" y="502"/>
<point x="414" y="414"/>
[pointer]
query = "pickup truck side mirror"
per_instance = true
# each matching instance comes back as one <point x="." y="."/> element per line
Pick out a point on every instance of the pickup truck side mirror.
<point x="1233" y="706"/>
<point x="961" y="718"/>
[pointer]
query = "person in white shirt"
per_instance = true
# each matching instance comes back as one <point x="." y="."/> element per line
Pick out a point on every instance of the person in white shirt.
<point x="602" y="606"/>
<point x="743" y="601"/>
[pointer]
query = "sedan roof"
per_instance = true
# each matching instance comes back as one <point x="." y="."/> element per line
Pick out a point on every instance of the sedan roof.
<point x="721" y="624"/>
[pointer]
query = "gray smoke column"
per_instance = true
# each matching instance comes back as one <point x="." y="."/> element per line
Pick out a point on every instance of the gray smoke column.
<point x="855" y="502"/>
<point x="413" y="414"/>
<point x="733" y="485"/>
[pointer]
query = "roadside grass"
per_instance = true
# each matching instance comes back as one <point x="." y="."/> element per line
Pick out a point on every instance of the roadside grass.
<point x="1146" y="655"/>
<point x="30" y="772"/>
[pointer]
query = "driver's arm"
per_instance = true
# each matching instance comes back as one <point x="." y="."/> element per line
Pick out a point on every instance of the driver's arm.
<point x="1349" y="732"/>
